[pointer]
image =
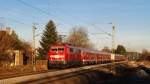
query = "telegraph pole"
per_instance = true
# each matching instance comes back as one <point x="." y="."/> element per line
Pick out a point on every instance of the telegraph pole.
<point x="33" y="46"/>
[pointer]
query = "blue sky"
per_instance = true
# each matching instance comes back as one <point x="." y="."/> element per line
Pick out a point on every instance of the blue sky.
<point x="131" y="18"/>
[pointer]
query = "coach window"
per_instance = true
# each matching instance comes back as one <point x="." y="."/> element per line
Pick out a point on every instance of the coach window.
<point x="78" y="51"/>
<point x="71" y="50"/>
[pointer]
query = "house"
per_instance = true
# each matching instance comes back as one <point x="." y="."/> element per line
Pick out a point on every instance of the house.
<point x="8" y="54"/>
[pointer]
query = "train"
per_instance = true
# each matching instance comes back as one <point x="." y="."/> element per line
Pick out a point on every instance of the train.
<point x="67" y="55"/>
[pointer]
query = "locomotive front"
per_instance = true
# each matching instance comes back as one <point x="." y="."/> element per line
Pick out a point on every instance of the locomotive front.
<point x="57" y="56"/>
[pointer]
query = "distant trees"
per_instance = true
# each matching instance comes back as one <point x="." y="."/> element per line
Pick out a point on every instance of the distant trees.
<point x="49" y="37"/>
<point x="79" y="37"/>
<point x="120" y="50"/>
<point x="106" y="49"/>
<point x="145" y="55"/>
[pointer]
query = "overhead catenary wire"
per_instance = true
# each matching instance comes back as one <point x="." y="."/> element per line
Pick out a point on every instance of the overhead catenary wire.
<point x="103" y="32"/>
<point x="48" y="13"/>
<point x="39" y="9"/>
<point x="10" y="13"/>
<point x="45" y="12"/>
<point x="16" y="21"/>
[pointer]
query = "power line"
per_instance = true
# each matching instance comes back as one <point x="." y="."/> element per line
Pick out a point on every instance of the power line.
<point x="104" y="32"/>
<point x="10" y="19"/>
<point x="16" y="21"/>
<point x="45" y="12"/>
<point x="38" y="9"/>
<point x="16" y="12"/>
<point x="66" y="12"/>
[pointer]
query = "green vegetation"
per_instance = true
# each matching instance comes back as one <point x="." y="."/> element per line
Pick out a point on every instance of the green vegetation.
<point x="49" y="37"/>
<point x="121" y="50"/>
<point x="106" y="49"/>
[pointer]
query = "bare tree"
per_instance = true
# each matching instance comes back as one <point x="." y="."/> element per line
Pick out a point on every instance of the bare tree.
<point x="145" y="54"/>
<point x="11" y="42"/>
<point x="79" y="37"/>
<point x="6" y="41"/>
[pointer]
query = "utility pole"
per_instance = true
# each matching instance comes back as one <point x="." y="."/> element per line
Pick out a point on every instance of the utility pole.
<point x="113" y="43"/>
<point x="33" y="46"/>
<point x="62" y="38"/>
<point x="113" y="46"/>
<point x="113" y="38"/>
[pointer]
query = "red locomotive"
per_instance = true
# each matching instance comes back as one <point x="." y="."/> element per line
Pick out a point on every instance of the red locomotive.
<point x="67" y="55"/>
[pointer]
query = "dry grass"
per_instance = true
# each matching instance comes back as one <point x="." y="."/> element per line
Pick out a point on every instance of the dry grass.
<point x="144" y="63"/>
<point x="11" y="70"/>
<point x="15" y="69"/>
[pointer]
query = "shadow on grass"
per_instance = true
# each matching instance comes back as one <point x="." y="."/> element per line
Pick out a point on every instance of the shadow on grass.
<point x="128" y="75"/>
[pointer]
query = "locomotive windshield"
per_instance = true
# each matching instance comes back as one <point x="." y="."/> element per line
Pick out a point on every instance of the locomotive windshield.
<point x="54" y="49"/>
<point x="61" y="49"/>
<point x="57" y="49"/>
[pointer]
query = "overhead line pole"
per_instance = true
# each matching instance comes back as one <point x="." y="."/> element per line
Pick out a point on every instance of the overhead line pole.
<point x="113" y="37"/>
<point x="33" y="47"/>
<point x="113" y="46"/>
<point x="113" y="41"/>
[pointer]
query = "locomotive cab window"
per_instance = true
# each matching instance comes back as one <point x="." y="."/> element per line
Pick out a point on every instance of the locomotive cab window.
<point x="54" y="49"/>
<point x="61" y="49"/>
<point x="57" y="49"/>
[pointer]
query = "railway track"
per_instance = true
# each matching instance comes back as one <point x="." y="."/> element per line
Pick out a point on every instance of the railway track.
<point x="11" y="75"/>
<point x="41" y="76"/>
